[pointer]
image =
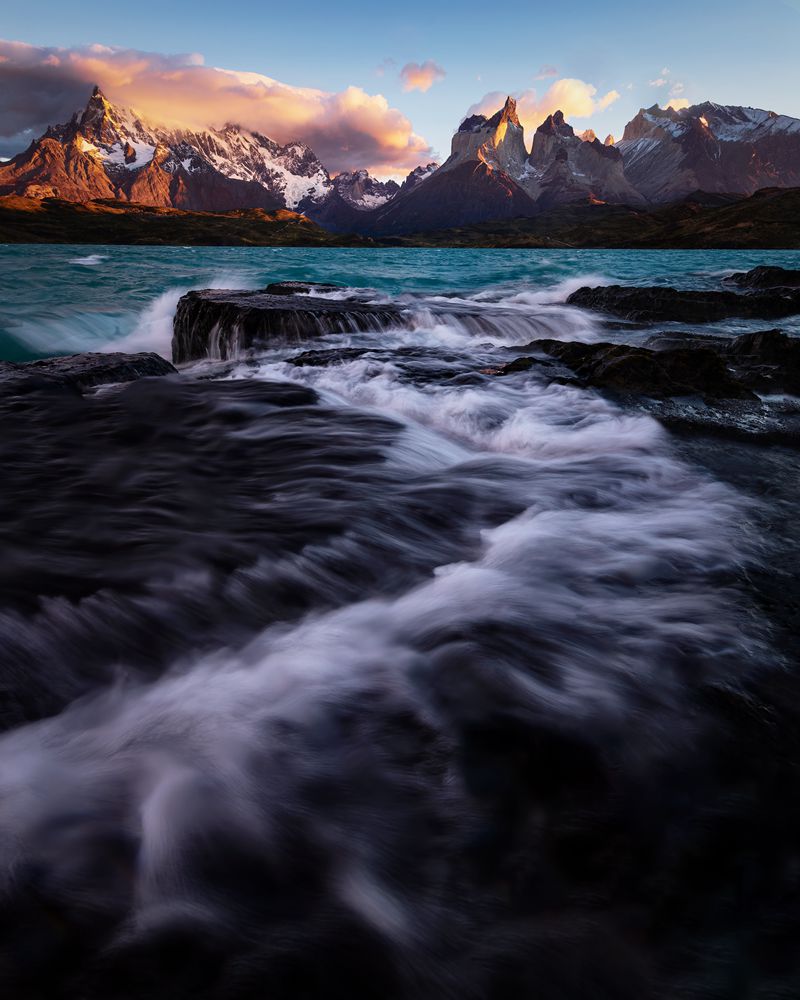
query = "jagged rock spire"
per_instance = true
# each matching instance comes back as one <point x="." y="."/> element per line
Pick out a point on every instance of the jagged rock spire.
<point x="507" y="114"/>
<point x="556" y="125"/>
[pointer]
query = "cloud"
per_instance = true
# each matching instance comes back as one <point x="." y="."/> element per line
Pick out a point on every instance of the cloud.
<point x="608" y="99"/>
<point x="348" y="129"/>
<point x="545" y="72"/>
<point x="659" y="82"/>
<point x="384" y="66"/>
<point x="676" y="90"/>
<point x="576" y="98"/>
<point x="679" y="102"/>
<point x="416" y="76"/>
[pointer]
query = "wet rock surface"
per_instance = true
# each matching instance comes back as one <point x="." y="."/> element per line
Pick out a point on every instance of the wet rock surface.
<point x="221" y="324"/>
<point x="708" y="386"/>
<point x="765" y="277"/>
<point x="659" y="304"/>
<point x="224" y="324"/>
<point x="77" y="372"/>
<point x="320" y="359"/>
<point x="671" y="372"/>
<point x="301" y="288"/>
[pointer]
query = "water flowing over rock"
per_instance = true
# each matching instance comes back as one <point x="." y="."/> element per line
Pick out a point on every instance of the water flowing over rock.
<point x="691" y="383"/>
<point x="223" y="324"/>
<point x="397" y="661"/>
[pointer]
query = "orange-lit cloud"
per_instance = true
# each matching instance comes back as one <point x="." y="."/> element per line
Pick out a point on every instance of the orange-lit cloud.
<point x="679" y="102"/>
<point x="348" y="130"/>
<point x="576" y="98"/>
<point x="421" y="76"/>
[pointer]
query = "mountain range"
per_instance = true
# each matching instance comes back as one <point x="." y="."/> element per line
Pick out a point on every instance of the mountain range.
<point x="106" y="152"/>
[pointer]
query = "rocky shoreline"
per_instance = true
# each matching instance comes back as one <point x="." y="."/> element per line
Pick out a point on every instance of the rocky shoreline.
<point x="166" y="522"/>
<point x="746" y="386"/>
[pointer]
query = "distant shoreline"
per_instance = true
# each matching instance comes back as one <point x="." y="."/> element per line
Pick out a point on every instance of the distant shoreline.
<point x="767" y="220"/>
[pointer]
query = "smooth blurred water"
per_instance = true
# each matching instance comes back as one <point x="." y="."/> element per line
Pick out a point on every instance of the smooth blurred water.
<point x="64" y="299"/>
<point x="384" y="676"/>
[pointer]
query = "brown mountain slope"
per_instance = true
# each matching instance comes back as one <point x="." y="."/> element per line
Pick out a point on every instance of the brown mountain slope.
<point x="27" y="220"/>
<point x="469" y="193"/>
<point x="74" y="162"/>
<point x="50" y="169"/>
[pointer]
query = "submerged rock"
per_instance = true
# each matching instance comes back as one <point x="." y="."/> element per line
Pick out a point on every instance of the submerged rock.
<point x="220" y="323"/>
<point x="655" y="304"/>
<point x="77" y="372"/>
<point x="320" y="359"/>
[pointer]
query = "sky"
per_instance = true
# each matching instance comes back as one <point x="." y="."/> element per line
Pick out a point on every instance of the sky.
<point x="383" y="86"/>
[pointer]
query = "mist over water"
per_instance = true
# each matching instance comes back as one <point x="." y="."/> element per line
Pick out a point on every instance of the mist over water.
<point x="378" y="678"/>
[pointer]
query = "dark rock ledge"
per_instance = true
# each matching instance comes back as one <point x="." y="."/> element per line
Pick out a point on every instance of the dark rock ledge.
<point x="79" y="372"/>
<point x="708" y="386"/>
<point x="223" y="323"/>
<point x="765" y="277"/>
<point x="662" y="304"/>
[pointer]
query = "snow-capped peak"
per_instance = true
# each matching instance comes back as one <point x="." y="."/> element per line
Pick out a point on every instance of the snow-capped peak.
<point x="364" y="192"/>
<point x="123" y="142"/>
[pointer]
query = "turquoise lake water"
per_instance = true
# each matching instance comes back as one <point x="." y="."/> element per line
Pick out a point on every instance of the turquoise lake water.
<point x="63" y="299"/>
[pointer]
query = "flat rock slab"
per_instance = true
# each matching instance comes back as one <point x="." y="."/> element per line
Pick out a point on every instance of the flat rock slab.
<point x="222" y="323"/>
<point x="657" y="304"/>
<point x="78" y="372"/>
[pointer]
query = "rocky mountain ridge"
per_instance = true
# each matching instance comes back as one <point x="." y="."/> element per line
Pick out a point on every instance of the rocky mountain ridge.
<point x="110" y="153"/>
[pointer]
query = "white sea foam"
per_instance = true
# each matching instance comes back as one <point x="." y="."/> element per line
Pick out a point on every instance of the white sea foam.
<point x="153" y="330"/>
<point x="153" y="325"/>
<point x="92" y="260"/>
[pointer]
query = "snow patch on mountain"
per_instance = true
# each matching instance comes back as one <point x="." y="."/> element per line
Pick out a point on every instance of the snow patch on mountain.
<point x="364" y="192"/>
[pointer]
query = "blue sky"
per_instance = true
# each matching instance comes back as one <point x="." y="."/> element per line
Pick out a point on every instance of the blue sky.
<point x="734" y="52"/>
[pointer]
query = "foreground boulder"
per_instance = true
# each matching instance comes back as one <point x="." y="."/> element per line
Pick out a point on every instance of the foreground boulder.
<point x="221" y="324"/>
<point x="78" y="372"/>
<point x="657" y="304"/>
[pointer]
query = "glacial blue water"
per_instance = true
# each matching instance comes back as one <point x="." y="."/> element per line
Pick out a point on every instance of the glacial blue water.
<point x="63" y="299"/>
